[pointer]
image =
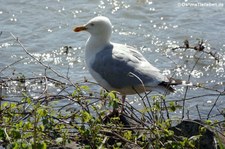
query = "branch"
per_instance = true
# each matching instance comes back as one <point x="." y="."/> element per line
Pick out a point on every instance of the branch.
<point x="199" y="47"/>
<point x="46" y="66"/>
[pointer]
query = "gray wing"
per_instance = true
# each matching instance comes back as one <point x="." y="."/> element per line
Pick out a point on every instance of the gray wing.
<point x="122" y="66"/>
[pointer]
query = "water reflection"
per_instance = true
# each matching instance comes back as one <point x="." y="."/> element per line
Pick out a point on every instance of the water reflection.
<point x="154" y="27"/>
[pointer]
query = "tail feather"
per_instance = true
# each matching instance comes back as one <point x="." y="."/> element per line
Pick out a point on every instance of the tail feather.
<point x="167" y="86"/>
<point x="172" y="82"/>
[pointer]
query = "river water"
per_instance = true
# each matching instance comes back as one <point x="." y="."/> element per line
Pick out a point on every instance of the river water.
<point x="154" y="27"/>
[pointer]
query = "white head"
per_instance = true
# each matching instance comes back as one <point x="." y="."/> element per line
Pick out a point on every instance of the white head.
<point x="100" y="27"/>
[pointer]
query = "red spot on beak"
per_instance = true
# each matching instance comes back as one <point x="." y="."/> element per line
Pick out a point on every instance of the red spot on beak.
<point x="80" y="28"/>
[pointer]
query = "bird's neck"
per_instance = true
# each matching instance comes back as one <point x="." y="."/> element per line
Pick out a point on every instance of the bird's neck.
<point x="95" y="44"/>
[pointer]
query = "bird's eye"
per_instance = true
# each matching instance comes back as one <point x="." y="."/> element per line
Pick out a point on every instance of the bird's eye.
<point x="92" y="24"/>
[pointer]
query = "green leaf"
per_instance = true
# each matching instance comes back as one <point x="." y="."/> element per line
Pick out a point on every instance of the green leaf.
<point x="85" y="87"/>
<point x="16" y="134"/>
<point x="128" y="134"/>
<point x="168" y="132"/>
<point x="75" y="93"/>
<point x="208" y="122"/>
<point x="2" y="134"/>
<point x="86" y="116"/>
<point x="13" y="105"/>
<point x="172" y="106"/>
<point x="42" y="127"/>
<point x="24" y="145"/>
<point x="202" y="129"/>
<point x="41" y="145"/>
<point x="42" y="112"/>
<point x="27" y="126"/>
<point x="19" y="125"/>
<point x="44" y="145"/>
<point x="5" y="104"/>
<point x="112" y="95"/>
<point x="59" y="140"/>
<point x="15" y="145"/>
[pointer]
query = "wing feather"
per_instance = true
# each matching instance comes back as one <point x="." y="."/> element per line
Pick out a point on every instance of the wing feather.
<point x="116" y="62"/>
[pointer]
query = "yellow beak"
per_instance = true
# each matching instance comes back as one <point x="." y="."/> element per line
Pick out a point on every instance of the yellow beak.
<point x="79" y="28"/>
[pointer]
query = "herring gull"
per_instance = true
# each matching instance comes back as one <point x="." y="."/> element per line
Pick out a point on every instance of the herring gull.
<point x="119" y="67"/>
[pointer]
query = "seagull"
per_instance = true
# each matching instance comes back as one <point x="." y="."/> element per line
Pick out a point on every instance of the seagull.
<point x="119" y="67"/>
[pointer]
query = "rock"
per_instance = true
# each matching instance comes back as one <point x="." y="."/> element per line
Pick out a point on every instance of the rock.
<point x="189" y="128"/>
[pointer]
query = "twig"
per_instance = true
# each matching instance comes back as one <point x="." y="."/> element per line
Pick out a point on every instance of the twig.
<point x="28" y="53"/>
<point x="187" y="87"/>
<point x="134" y="112"/>
<point x="111" y="133"/>
<point x="198" y="47"/>
<point x="103" y="142"/>
<point x="198" y="112"/>
<point x="12" y="64"/>
<point x="213" y="106"/>
<point x="195" y="97"/>
<point x="7" y="136"/>
<point x="145" y="106"/>
<point x="145" y="91"/>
